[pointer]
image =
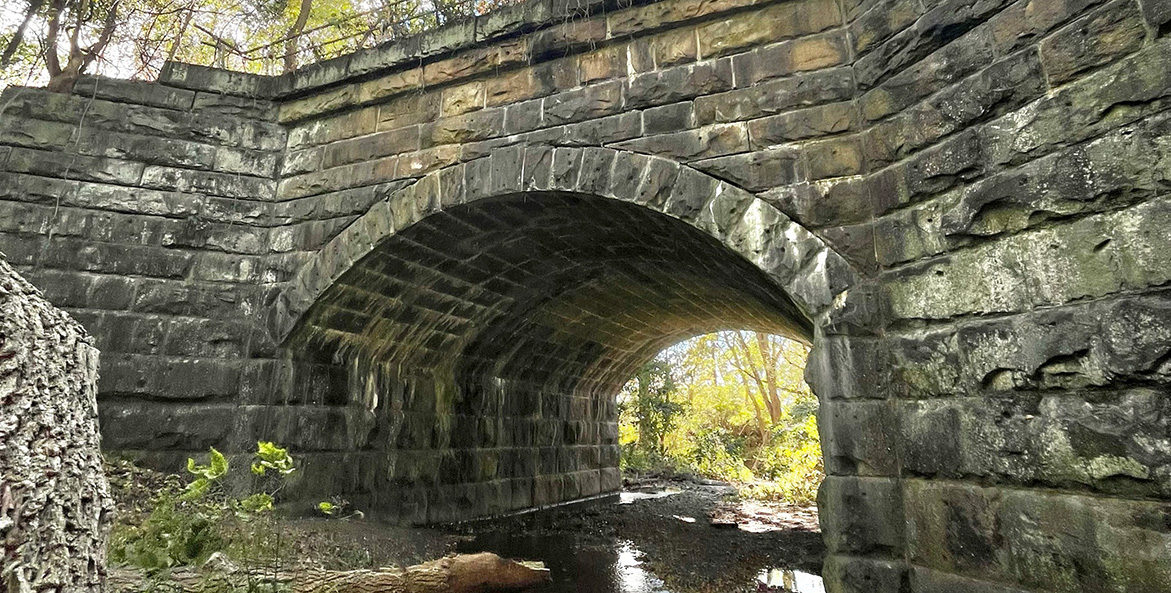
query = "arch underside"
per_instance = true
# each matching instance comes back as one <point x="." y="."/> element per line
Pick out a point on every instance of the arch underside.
<point x="486" y="343"/>
<point x="547" y="289"/>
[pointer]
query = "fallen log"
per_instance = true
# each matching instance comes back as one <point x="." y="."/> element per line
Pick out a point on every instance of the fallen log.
<point x="463" y="573"/>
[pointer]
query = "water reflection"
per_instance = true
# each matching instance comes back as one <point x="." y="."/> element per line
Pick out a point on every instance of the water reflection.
<point x="587" y="565"/>
<point x="627" y="497"/>
<point x="785" y="580"/>
<point x="632" y="577"/>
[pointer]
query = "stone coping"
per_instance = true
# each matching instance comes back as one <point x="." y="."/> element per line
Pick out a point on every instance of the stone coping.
<point x="636" y="17"/>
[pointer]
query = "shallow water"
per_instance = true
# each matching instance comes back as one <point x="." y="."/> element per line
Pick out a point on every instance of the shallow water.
<point x="629" y="496"/>
<point x="580" y="564"/>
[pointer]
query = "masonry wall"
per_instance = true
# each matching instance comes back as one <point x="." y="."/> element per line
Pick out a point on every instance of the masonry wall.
<point x="992" y="176"/>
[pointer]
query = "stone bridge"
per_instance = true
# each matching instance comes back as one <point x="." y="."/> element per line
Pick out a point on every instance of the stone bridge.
<point x="429" y="266"/>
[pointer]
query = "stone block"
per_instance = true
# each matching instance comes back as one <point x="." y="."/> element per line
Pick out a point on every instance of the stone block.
<point x="1158" y="14"/>
<point x="1105" y="173"/>
<point x="603" y="64"/>
<point x="596" y="167"/>
<point x="925" y="580"/>
<point x="138" y="92"/>
<point x="35" y="134"/>
<point x="774" y="23"/>
<point x="203" y="78"/>
<point x="755" y="171"/>
<point x="241" y="133"/>
<point x="1133" y="88"/>
<point x="459" y="99"/>
<point x="669" y="118"/>
<point x="804" y="54"/>
<point x="939" y="26"/>
<point x="841" y="367"/>
<point x="247" y="107"/>
<point x="706" y="142"/>
<point x="245" y="162"/>
<point x="883" y="20"/>
<point x="859" y="437"/>
<point x="57" y="164"/>
<point x="147" y="149"/>
<point x="679" y="83"/>
<point x="692" y="193"/>
<point x="153" y="426"/>
<point x="588" y="102"/>
<point x="568" y="37"/>
<point x="603" y="131"/>
<point x="826" y="202"/>
<point x="775" y="96"/>
<point x="841" y="156"/>
<point x="374" y="146"/>
<point x="319" y="103"/>
<point x="1113" y="31"/>
<point x="862" y="516"/>
<point x="391" y="84"/>
<point x="674" y="47"/>
<point x="814" y="122"/>
<point x="523" y="117"/>
<point x="1057" y="541"/>
<point x="1023" y="23"/>
<point x="852" y="574"/>
<point x="956" y="61"/>
<point x="477" y="125"/>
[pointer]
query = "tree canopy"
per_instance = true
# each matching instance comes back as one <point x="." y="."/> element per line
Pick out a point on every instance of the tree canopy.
<point x="730" y="405"/>
<point x="52" y="42"/>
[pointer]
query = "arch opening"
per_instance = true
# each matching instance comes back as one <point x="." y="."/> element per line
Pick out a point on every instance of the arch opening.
<point x="487" y="343"/>
<point x="731" y="406"/>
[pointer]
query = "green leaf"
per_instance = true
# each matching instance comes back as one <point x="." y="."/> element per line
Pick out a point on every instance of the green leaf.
<point x="257" y="503"/>
<point x="219" y="464"/>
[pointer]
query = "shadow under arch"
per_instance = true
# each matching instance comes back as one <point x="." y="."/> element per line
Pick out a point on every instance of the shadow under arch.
<point x="486" y="316"/>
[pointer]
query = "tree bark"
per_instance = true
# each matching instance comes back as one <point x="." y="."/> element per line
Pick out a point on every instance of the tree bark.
<point x="34" y="6"/>
<point x="292" y="45"/>
<point x="61" y="79"/>
<point x="54" y="502"/>
<point x="465" y="573"/>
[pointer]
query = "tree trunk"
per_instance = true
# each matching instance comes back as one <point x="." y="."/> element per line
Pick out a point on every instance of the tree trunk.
<point x="292" y="45"/>
<point x="465" y="573"/>
<point x="34" y="6"/>
<point x="54" y="502"/>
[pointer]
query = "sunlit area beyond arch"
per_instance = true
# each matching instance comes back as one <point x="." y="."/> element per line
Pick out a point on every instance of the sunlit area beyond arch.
<point x="730" y="406"/>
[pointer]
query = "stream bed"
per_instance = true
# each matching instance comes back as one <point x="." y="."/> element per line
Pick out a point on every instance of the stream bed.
<point x="677" y="538"/>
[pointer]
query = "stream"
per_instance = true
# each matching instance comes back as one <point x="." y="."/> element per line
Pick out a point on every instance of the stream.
<point x="661" y="540"/>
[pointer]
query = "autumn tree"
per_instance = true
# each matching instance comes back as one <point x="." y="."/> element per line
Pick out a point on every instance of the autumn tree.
<point x="746" y="412"/>
<point x="55" y="41"/>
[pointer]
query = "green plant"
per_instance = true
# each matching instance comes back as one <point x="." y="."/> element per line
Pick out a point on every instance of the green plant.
<point x="187" y="525"/>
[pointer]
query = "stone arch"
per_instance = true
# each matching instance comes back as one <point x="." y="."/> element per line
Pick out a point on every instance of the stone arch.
<point x="481" y="320"/>
<point x="800" y="263"/>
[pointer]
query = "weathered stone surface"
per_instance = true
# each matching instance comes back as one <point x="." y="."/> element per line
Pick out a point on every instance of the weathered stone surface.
<point x="853" y="574"/>
<point x="1057" y="541"/>
<point x="776" y="96"/>
<point x="1109" y="33"/>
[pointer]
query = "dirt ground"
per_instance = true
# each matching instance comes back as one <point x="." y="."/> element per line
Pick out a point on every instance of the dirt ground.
<point x="698" y="538"/>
